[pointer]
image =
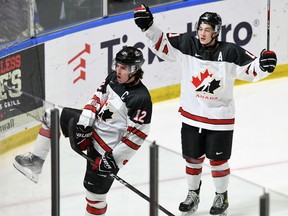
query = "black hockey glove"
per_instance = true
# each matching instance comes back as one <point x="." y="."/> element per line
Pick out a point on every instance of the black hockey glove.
<point x="268" y="60"/>
<point x="105" y="165"/>
<point x="143" y="17"/>
<point x="82" y="135"/>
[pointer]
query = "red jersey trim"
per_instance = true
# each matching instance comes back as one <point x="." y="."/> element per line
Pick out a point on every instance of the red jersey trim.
<point x="130" y="143"/>
<point x="137" y="132"/>
<point x="101" y="142"/>
<point x="206" y="120"/>
<point x="91" y="108"/>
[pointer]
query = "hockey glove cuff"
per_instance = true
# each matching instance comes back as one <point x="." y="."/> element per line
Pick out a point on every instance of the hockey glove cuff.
<point x="143" y="17"/>
<point x="82" y="135"/>
<point x="268" y="60"/>
<point x="105" y="165"/>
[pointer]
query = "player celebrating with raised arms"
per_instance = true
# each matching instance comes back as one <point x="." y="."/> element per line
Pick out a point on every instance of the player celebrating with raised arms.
<point x="209" y="69"/>
<point x="111" y="127"/>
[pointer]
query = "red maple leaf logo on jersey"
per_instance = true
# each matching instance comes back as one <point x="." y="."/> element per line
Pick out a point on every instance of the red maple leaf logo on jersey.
<point x="206" y="82"/>
<point x="196" y="81"/>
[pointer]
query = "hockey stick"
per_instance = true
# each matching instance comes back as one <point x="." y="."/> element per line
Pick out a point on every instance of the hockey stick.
<point x="268" y="24"/>
<point x="116" y="177"/>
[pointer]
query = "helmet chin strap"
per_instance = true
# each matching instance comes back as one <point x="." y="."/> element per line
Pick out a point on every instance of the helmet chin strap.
<point x="129" y="78"/>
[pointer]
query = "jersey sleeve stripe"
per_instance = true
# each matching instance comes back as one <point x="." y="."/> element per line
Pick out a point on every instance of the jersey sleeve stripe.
<point x="91" y="108"/>
<point x="158" y="44"/>
<point x="130" y="143"/>
<point x="95" y="97"/>
<point x="137" y="132"/>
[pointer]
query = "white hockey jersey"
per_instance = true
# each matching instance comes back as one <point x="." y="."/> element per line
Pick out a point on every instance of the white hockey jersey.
<point x="120" y="116"/>
<point x="208" y="76"/>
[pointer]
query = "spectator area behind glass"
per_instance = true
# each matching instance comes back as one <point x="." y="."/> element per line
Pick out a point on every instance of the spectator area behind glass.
<point x="23" y="19"/>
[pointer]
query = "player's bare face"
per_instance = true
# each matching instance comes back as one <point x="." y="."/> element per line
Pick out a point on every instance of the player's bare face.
<point x="123" y="71"/>
<point x="205" y="34"/>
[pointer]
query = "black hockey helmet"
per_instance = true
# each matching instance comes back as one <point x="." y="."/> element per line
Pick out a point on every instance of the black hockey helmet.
<point x="212" y="19"/>
<point x="131" y="56"/>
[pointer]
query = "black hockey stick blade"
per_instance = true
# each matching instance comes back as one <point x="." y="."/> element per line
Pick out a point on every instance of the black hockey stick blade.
<point x="73" y="143"/>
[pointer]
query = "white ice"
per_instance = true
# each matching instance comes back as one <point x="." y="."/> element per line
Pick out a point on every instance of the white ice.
<point x="259" y="164"/>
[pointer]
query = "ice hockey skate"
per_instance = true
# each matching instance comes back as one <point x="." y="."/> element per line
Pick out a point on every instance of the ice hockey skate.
<point x="29" y="165"/>
<point x="220" y="204"/>
<point x="190" y="205"/>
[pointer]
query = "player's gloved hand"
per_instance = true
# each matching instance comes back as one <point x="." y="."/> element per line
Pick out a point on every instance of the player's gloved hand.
<point x="143" y="17"/>
<point x="82" y="135"/>
<point x="268" y="60"/>
<point x="105" y="165"/>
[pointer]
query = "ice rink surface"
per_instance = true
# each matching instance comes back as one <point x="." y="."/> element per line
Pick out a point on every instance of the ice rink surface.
<point x="259" y="164"/>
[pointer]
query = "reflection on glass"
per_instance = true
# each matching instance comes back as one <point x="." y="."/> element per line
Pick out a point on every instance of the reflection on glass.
<point x="56" y="13"/>
<point x="14" y="19"/>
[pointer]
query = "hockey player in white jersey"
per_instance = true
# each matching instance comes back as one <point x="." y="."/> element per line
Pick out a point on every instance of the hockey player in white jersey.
<point x="111" y="127"/>
<point x="209" y="69"/>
